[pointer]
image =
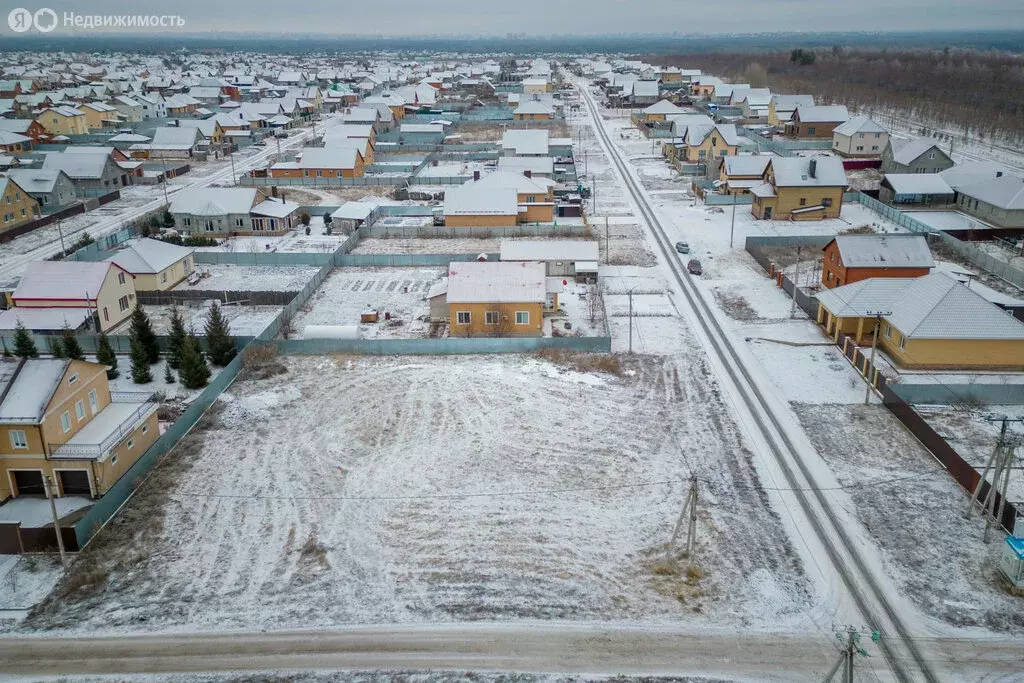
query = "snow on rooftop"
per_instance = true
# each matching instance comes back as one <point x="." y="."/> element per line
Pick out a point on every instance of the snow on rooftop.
<point x="496" y="282"/>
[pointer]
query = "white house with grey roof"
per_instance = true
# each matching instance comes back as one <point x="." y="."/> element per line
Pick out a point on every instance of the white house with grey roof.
<point x="860" y="137"/>
<point x="999" y="201"/>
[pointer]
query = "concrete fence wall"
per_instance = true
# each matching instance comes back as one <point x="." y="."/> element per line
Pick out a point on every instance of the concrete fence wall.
<point x="446" y="346"/>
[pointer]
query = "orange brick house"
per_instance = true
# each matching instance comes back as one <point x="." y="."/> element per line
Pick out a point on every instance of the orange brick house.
<point x="852" y="258"/>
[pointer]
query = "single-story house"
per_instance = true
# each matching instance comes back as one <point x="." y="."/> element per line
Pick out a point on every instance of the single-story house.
<point x="215" y="211"/>
<point x="496" y="299"/>
<point x="352" y="215"/>
<point x="93" y="173"/>
<point x="323" y="162"/>
<point x="525" y="142"/>
<point x="533" y="111"/>
<point x="999" y="201"/>
<point x="740" y="173"/>
<point x="471" y="205"/>
<point x="852" y="258"/>
<point x="561" y="258"/>
<point x="915" y="188"/>
<point x="535" y="196"/>
<point x="929" y="322"/>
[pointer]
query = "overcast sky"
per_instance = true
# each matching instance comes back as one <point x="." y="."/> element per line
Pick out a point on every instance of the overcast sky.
<point x="543" y="17"/>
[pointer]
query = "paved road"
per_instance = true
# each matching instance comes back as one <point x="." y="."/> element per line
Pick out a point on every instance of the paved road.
<point x="549" y="648"/>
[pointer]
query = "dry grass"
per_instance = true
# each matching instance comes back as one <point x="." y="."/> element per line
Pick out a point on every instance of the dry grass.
<point x="260" y="361"/>
<point x="583" y="362"/>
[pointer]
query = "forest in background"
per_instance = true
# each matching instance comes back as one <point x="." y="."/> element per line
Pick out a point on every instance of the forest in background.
<point x="972" y="93"/>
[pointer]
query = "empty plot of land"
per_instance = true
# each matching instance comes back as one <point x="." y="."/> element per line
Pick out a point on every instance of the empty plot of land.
<point x="231" y="278"/>
<point x="349" y="292"/>
<point x="463" y="488"/>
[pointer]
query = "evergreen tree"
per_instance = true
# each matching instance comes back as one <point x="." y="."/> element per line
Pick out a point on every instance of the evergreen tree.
<point x="105" y="354"/>
<point x="72" y="349"/>
<point x="24" y="346"/>
<point x="195" y="374"/>
<point x="143" y="330"/>
<point x="56" y="347"/>
<point x="168" y="374"/>
<point x="219" y="342"/>
<point x="140" y="362"/>
<point x="176" y="338"/>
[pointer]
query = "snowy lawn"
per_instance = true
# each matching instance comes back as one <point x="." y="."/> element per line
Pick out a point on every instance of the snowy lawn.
<point x="173" y="393"/>
<point x="244" y="321"/>
<point x="231" y="278"/>
<point x="913" y="510"/>
<point x="24" y="581"/>
<point x="348" y="292"/>
<point x="358" y="489"/>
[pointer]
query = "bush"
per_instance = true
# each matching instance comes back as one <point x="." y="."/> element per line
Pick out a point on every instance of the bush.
<point x="304" y="218"/>
<point x="583" y="362"/>
<point x="260" y="361"/>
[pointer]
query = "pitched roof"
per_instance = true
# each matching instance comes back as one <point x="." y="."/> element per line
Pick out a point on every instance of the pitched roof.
<point x="275" y="208"/>
<point x="1006" y="192"/>
<point x="934" y="306"/>
<point x="496" y="282"/>
<point x="35" y="180"/>
<point x="148" y="256"/>
<point x="746" y="165"/>
<point x="880" y="251"/>
<point x="338" y="156"/>
<point x="214" y="201"/>
<point x="530" y="107"/>
<point x="859" y="124"/>
<point x="472" y="200"/>
<point x="663" y="107"/>
<point x="520" y="182"/>
<point x="526" y="140"/>
<point x="904" y="151"/>
<point x="917" y="183"/>
<point x="28" y="387"/>
<point x="62" y="280"/>
<point x="818" y="171"/>
<point x="79" y="164"/>
<point x="822" y="113"/>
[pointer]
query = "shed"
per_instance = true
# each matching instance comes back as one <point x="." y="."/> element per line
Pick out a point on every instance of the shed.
<point x="560" y="257"/>
<point x="915" y="188"/>
<point x="1011" y="562"/>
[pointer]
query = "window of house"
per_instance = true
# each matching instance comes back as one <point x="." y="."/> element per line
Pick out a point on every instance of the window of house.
<point x="113" y="459"/>
<point x="65" y="422"/>
<point x="826" y="202"/>
<point x="163" y="277"/>
<point x="319" y="173"/>
<point x="18" y="438"/>
<point x="145" y="429"/>
<point x="94" y="402"/>
<point x="878" y="135"/>
<point x="522" y="317"/>
<point x="531" y="198"/>
<point x="931" y="155"/>
<point x="73" y="378"/>
<point x="810" y="131"/>
<point x="860" y="148"/>
<point x="187" y="222"/>
<point x="903" y="343"/>
<point x="23" y="212"/>
<point x="803" y="201"/>
<point x="123" y="303"/>
<point x="120" y="278"/>
<point x="831" y="276"/>
<point x="491" y="318"/>
<point x="888" y="331"/>
<point x="106" y="314"/>
<point x="463" y="317"/>
<point x="130" y="444"/>
<point x="239" y="222"/>
<point x="79" y="410"/>
<point x="874" y="148"/>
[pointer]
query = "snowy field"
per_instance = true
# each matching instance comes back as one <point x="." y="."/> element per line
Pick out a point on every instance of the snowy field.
<point x="348" y="292"/>
<point x="231" y="278"/>
<point x="446" y="489"/>
<point x="392" y="676"/>
<point x="293" y="241"/>
<point x="427" y="245"/>
<point x="24" y="581"/>
<point x="913" y="510"/>
<point x="173" y="392"/>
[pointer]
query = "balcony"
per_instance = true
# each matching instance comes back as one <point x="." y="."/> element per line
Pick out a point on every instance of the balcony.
<point x="113" y="424"/>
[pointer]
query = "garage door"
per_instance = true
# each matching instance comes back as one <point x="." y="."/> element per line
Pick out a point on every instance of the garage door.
<point x="74" y="482"/>
<point x="29" y="482"/>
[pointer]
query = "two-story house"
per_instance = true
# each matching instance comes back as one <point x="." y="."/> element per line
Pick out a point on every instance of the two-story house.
<point x="63" y="431"/>
<point x="800" y="188"/>
<point x="818" y="121"/>
<point x="77" y="291"/>
<point x="852" y="258"/>
<point x="17" y="206"/>
<point x="920" y="155"/>
<point x="860" y="137"/>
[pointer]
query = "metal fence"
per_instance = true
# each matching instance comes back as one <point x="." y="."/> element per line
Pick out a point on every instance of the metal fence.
<point x="446" y="346"/>
<point x="405" y="260"/>
<point x="272" y="258"/>
<point x="715" y="199"/>
<point x="976" y="394"/>
<point x="428" y="231"/>
<point x="323" y="182"/>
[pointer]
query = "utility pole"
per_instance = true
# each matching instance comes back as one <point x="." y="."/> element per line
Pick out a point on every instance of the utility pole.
<point x="234" y="178"/>
<point x="849" y="639"/>
<point x="51" y="493"/>
<point x="163" y="160"/>
<point x="874" y="346"/>
<point x="1001" y="465"/>
<point x="60" y="232"/>
<point x="630" y="293"/>
<point x="689" y="505"/>
<point x="732" y="224"/>
<point x="796" y="281"/>
<point x="607" y="242"/>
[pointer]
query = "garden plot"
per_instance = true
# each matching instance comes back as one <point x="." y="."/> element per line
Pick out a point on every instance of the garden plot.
<point x="244" y="321"/>
<point x="913" y="511"/>
<point x="232" y="278"/>
<point x="359" y="489"/>
<point x="349" y="292"/>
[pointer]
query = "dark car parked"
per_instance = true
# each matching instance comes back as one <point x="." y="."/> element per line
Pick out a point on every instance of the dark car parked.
<point x="694" y="267"/>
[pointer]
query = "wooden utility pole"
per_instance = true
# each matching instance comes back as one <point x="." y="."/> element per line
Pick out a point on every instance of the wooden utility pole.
<point x="607" y="243"/>
<point x="51" y="492"/>
<point x="796" y="284"/>
<point x="874" y="346"/>
<point x="850" y="642"/>
<point x="1000" y="463"/>
<point x="732" y="224"/>
<point x="630" y="294"/>
<point x="689" y="505"/>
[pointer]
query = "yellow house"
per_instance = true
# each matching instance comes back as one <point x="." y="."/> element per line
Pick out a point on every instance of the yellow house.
<point x="781" y="107"/>
<point x="100" y="288"/>
<point x="17" y="207"/>
<point x="60" y="422"/>
<point x="659" y="110"/>
<point x="496" y="299"/>
<point x="63" y="121"/>
<point x="800" y="188"/>
<point x="740" y="173"/>
<point x="97" y="113"/>
<point x="156" y="265"/>
<point x="535" y="196"/>
<point x="927" y="322"/>
<point x="704" y="141"/>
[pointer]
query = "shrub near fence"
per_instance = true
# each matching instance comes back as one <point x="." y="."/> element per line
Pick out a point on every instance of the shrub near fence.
<point x="446" y="346"/>
<point x="121" y="343"/>
<point x="192" y="297"/>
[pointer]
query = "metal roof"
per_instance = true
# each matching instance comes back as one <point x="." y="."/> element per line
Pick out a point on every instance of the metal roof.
<point x="918" y="183"/>
<point x="148" y="256"/>
<point x="496" y="282"/>
<point x="859" y="124"/>
<point x="817" y="171"/>
<point x="214" y="201"/>
<point x="472" y="200"/>
<point x="905" y="152"/>
<point x="1006" y="192"/>
<point x="549" y="250"/>
<point x="884" y="251"/>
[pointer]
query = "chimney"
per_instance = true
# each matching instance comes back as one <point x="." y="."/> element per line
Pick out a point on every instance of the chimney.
<point x="528" y="173"/>
<point x="476" y="176"/>
<point x="812" y="168"/>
